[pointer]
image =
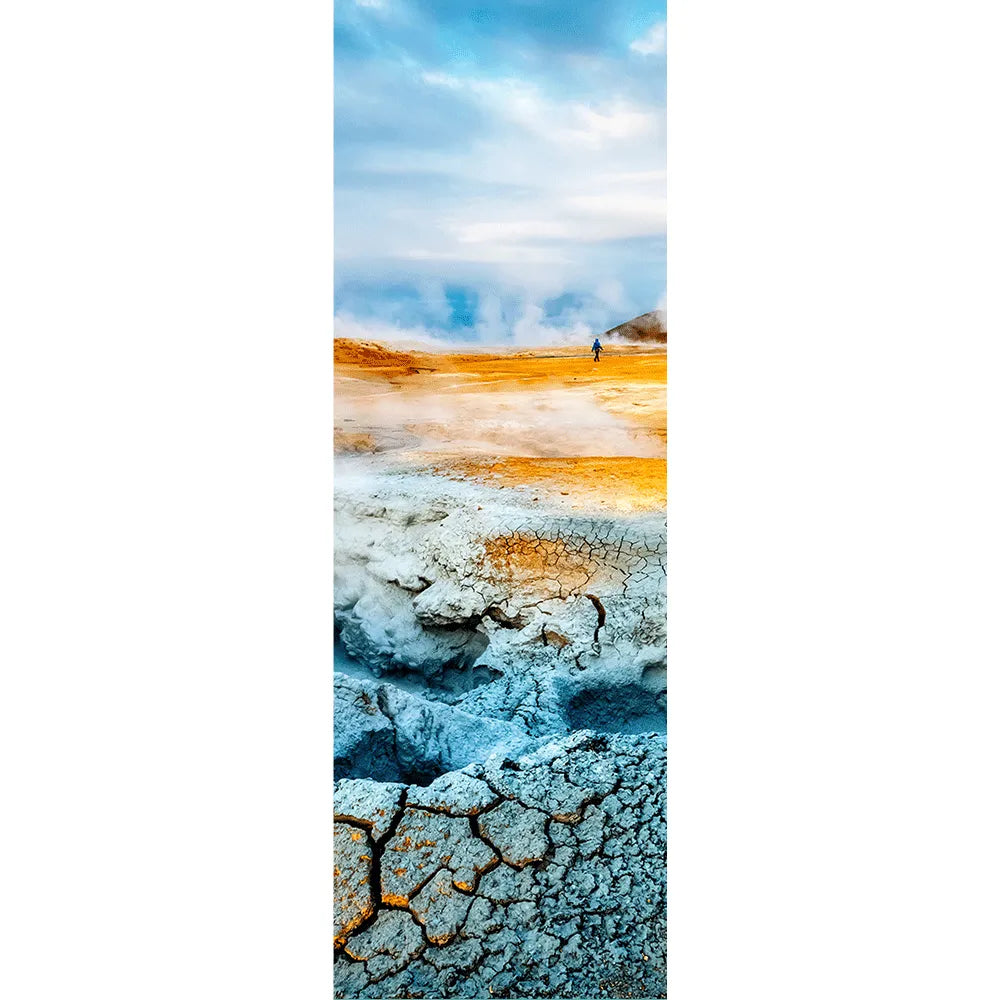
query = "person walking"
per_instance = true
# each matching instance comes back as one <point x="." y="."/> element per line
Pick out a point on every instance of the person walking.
<point x="596" y="348"/>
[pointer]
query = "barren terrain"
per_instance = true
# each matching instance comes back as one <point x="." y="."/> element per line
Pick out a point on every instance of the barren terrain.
<point x="500" y="672"/>
<point x="551" y="419"/>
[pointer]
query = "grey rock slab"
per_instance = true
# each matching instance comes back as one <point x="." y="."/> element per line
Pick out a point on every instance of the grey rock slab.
<point x="390" y="943"/>
<point x="390" y="734"/>
<point x="441" y="908"/>
<point x="507" y="885"/>
<point x="352" y="860"/>
<point x="547" y="789"/>
<point x="362" y="735"/>
<point x="456" y="793"/>
<point x="517" y="832"/>
<point x="462" y="955"/>
<point x="350" y="979"/>
<point x="371" y="804"/>
<point x="447" y="603"/>
<point x="425" y="843"/>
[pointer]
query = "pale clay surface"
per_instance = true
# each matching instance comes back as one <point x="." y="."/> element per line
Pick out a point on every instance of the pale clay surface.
<point x="499" y="744"/>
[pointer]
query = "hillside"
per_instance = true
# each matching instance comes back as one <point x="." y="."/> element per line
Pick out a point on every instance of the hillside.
<point x="649" y="328"/>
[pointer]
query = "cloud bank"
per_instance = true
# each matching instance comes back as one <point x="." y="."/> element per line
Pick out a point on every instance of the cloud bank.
<point x="500" y="169"/>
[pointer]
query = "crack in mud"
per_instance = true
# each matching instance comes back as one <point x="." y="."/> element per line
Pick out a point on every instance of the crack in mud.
<point x="601" y="613"/>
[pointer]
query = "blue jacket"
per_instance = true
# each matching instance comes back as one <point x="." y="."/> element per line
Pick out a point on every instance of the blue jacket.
<point x="597" y="346"/>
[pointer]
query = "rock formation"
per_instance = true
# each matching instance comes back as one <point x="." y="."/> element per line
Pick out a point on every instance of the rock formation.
<point x="649" y="328"/>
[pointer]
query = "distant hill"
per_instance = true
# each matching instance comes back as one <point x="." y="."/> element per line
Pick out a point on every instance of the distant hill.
<point x="648" y="328"/>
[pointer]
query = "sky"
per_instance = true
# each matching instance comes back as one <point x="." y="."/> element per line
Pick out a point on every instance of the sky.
<point x="500" y="167"/>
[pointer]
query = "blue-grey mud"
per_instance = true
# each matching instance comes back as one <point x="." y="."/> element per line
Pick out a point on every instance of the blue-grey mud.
<point x="499" y="677"/>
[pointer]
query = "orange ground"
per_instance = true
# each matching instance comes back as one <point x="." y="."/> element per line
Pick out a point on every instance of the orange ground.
<point x="624" y="363"/>
<point x="513" y="418"/>
<point x="366" y="354"/>
<point x="613" y="482"/>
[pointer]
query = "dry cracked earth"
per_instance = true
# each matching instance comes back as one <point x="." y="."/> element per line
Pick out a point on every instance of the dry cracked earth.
<point x="500" y="755"/>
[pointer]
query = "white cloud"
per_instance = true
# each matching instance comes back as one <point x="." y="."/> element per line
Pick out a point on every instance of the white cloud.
<point x="625" y="213"/>
<point x="565" y="211"/>
<point x="654" y="42"/>
<point x="562" y="173"/>
<point x="441" y="80"/>
<point x="573" y="122"/>
<point x="655" y="177"/>
<point x="612" y="292"/>
<point x="541" y="188"/>
<point x="511" y="231"/>
<point x="523" y="206"/>
<point x="521" y="257"/>
<point x="617" y="122"/>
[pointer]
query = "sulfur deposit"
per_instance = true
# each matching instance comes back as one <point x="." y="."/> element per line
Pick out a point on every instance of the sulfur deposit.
<point x="500" y="689"/>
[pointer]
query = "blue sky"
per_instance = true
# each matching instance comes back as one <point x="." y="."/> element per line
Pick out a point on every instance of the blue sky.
<point x="500" y="167"/>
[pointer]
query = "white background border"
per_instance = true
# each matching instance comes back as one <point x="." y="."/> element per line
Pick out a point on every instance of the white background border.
<point x="166" y="552"/>
<point x="834" y="500"/>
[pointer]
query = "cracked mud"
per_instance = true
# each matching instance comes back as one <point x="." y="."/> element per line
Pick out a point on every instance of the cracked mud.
<point x="499" y="731"/>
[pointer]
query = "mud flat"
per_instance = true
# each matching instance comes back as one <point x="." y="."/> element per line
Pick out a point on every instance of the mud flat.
<point x="500" y="677"/>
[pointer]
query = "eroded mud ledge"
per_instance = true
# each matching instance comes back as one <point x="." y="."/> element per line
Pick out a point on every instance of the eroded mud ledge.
<point x="499" y="743"/>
